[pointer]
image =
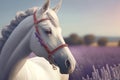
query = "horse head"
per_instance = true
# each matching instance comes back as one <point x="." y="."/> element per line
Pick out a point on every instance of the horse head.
<point x="47" y="40"/>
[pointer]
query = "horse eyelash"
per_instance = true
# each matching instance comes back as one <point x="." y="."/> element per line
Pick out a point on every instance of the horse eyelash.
<point x="48" y="31"/>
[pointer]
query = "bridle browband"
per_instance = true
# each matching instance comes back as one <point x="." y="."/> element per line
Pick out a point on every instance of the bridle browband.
<point x="37" y="33"/>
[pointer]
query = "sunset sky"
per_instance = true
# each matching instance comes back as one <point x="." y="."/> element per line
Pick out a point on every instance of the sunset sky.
<point x="98" y="17"/>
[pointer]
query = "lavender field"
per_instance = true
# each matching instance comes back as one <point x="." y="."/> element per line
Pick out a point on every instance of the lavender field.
<point x="96" y="63"/>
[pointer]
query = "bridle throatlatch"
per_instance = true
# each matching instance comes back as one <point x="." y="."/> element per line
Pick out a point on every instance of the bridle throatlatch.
<point x="37" y="33"/>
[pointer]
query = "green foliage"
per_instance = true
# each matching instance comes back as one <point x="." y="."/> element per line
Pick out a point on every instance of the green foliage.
<point x="119" y="43"/>
<point x="89" y="39"/>
<point x="74" y="39"/>
<point x="102" y="41"/>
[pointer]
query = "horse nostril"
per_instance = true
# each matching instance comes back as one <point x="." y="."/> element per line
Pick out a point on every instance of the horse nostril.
<point x="67" y="63"/>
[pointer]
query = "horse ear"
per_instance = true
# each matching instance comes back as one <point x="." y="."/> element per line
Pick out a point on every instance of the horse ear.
<point x="45" y="6"/>
<point x="58" y="6"/>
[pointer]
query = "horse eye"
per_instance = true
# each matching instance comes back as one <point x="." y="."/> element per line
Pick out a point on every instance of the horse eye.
<point x="48" y="31"/>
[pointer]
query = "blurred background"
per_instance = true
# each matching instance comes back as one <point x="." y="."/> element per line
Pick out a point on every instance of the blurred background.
<point x="78" y="18"/>
<point x="90" y="27"/>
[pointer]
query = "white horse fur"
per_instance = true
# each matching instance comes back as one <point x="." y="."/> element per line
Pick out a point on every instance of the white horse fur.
<point x="36" y="68"/>
<point x="19" y="40"/>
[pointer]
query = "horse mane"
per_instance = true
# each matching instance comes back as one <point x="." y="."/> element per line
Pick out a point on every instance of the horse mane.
<point x="8" y="29"/>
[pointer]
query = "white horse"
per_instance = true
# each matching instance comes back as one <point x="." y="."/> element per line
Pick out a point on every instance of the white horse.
<point x="36" y="30"/>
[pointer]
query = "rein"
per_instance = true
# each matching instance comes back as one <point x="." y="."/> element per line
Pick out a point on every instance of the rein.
<point x="37" y="33"/>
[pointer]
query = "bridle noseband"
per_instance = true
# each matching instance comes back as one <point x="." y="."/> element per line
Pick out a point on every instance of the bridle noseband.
<point x="37" y="33"/>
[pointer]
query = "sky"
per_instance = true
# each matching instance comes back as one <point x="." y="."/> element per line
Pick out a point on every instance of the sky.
<point x="98" y="17"/>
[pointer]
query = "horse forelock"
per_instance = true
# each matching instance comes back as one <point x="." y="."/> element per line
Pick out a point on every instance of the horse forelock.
<point x="8" y="29"/>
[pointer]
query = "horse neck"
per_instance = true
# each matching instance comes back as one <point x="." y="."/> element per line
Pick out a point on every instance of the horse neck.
<point x="17" y="68"/>
<point x="17" y="45"/>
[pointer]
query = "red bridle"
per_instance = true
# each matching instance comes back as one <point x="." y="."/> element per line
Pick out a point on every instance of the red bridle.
<point x="37" y="33"/>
